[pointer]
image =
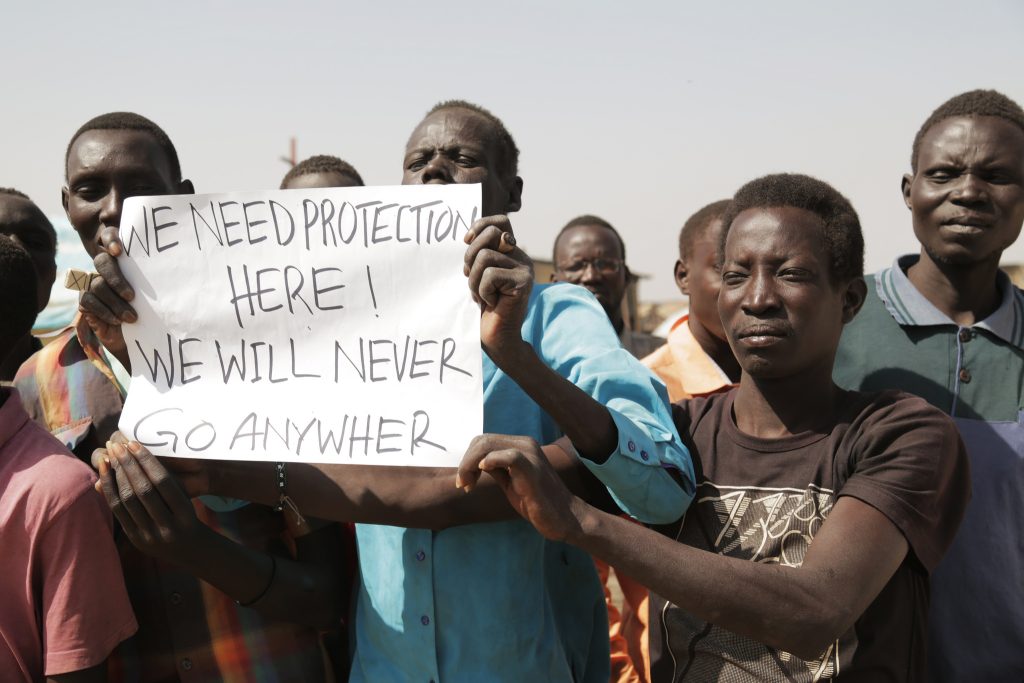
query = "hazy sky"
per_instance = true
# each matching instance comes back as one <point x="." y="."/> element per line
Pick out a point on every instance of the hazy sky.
<point x="638" y="112"/>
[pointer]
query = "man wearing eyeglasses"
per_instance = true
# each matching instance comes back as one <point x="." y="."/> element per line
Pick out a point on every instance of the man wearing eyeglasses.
<point x="589" y="252"/>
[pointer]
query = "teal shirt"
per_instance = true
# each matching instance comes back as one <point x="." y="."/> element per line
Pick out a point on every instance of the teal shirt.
<point x="976" y="375"/>
<point x="498" y="602"/>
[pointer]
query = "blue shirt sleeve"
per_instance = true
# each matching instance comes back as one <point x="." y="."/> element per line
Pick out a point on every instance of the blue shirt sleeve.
<point x="573" y="336"/>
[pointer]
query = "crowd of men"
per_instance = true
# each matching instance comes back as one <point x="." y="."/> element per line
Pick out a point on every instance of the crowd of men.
<point x="816" y="475"/>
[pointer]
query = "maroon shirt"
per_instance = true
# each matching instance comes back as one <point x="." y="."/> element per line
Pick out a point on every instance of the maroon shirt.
<point x="765" y="499"/>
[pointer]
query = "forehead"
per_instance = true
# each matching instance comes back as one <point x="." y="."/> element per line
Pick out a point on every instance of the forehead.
<point x="18" y="214"/>
<point x="117" y="150"/>
<point x="588" y="238"/>
<point x="321" y="179"/>
<point x="455" y="127"/>
<point x="987" y="137"/>
<point x="776" y="234"/>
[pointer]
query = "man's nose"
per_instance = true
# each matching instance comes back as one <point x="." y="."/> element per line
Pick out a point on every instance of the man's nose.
<point x="110" y="208"/>
<point x="761" y="295"/>
<point x="590" y="273"/>
<point x="438" y="169"/>
<point x="971" y="189"/>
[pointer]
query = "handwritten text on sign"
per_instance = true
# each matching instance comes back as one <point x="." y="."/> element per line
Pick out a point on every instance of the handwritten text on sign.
<point x="328" y="325"/>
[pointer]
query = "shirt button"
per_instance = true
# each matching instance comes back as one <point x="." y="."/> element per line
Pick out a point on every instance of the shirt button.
<point x="643" y="455"/>
<point x="425" y="620"/>
<point x="965" y="334"/>
<point x="186" y="664"/>
<point x="420" y="555"/>
<point x="965" y="375"/>
<point x="175" y="598"/>
<point x="631" y="446"/>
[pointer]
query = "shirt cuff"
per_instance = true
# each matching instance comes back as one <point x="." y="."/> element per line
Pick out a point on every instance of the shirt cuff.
<point x="636" y="473"/>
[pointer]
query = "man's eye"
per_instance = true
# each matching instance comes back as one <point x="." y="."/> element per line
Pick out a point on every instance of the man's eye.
<point x="998" y="178"/>
<point x="941" y="175"/>
<point x="88" y="193"/>
<point x="731" y="277"/>
<point x="464" y="160"/>
<point x="794" y="274"/>
<point x="416" y="164"/>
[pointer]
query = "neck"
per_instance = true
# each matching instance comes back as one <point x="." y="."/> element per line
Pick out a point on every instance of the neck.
<point x="716" y="347"/>
<point x="617" y="322"/>
<point x="775" y="408"/>
<point x="965" y="294"/>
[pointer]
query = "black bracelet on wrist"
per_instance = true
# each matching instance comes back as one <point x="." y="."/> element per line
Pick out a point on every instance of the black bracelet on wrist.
<point x="270" y="582"/>
<point x="282" y="486"/>
<point x="283" y="499"/>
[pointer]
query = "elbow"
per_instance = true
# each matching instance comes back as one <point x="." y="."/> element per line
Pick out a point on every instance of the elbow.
<point x="813" y="632"/>
<point x="666" y="504"/>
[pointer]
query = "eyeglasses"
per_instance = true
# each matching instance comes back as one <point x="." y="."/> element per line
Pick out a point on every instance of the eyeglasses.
<point x="605" y="266"/>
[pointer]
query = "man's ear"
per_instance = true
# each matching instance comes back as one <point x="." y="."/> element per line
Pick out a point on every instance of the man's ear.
<point x="853" y="298"/>
<point x="908" y="181"/>
<point x="185" y="187"/>
<point x="65" y="196"/>
<point x="515" y="195"/>
<point x="682" y="276"/>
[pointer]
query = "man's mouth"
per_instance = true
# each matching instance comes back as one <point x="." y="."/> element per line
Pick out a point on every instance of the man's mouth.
<point x="761" y="335"/>
<point x="967" y="224"/>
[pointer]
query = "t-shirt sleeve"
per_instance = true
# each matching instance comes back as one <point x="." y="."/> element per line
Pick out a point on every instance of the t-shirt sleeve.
<point x="85" y="608"/>
<point x="909" y="463"/>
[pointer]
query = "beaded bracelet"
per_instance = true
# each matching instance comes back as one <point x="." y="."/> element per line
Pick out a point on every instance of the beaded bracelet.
<point x="283" y="498"/>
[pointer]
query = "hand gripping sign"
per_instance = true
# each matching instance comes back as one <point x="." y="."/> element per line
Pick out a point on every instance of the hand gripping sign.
<point x="326" y="325"/>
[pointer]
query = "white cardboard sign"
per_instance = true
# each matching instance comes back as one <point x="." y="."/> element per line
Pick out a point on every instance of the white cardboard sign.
<point x="326" y="325"/>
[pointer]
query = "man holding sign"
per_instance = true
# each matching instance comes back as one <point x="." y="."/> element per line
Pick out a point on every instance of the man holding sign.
<point x="553" y="366"/>
<point x="288" y="583"/>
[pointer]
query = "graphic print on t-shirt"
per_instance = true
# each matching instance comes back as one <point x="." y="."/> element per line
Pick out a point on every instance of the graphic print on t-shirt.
<point x="768" y="525"/>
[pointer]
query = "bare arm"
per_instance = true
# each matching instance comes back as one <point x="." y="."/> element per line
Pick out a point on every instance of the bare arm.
<point x="852" y="557"/>
<point x="417" y="497"/>
<point x="159" y="519"/>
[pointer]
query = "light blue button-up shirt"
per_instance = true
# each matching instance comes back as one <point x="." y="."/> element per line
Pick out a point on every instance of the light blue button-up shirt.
<point x="498" y="602"/>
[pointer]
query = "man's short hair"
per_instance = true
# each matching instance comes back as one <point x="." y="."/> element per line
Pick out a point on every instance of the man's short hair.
<point x="322" y="163"/>
<point x="18" y="303"/>
<point x="842" y="233"/>
<point x="126" y="120"/>
<point x="509" y="151"/>
<point x="696" y="226"/>
<point x="587" y="219"/>
<point x="973" y="103"/>
<point x="16" y="193"/>
<point x="45" y="222"/>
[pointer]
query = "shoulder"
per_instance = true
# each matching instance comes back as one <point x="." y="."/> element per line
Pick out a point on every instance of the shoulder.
<point x="905" y="411"/>
<point x="57" y="356"/>
<point x="691" y="413"/>
<point x="43" y="473"/>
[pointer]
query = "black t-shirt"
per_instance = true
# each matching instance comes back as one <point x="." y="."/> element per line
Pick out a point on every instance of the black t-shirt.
<point x="764" y="500"/>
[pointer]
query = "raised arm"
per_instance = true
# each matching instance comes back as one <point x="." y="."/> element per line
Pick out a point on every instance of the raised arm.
<point x="569" y="361"/>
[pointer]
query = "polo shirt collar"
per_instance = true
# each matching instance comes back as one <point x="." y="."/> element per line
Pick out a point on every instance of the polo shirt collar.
<point x="910" y="308"/>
